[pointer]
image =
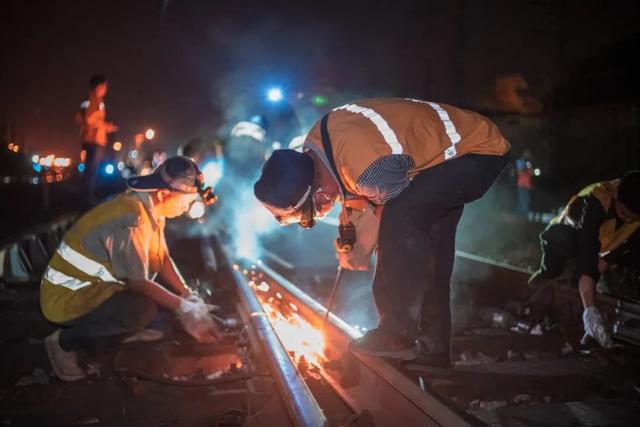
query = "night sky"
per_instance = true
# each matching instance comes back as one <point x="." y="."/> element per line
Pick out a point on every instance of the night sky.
<point x="178" y="66"/>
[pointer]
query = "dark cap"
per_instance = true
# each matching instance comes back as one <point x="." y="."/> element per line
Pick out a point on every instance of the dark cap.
<point x="176" y="174"/>
<point x="285" y="180"/>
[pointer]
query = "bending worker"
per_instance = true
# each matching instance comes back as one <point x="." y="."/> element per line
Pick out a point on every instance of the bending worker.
<point x="596" y="223"/>
<point x="403" y="170"/>
<point x="99" y="284"/>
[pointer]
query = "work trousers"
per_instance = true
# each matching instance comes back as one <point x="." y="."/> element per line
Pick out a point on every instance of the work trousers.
<point x="416" y="247"/>
<point x="123" y="314"/>
<point x="95" y="155"/>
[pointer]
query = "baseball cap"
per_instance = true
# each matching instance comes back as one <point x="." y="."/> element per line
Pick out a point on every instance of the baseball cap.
<point x="178" y="173"/>
<point x="285" y="181"/>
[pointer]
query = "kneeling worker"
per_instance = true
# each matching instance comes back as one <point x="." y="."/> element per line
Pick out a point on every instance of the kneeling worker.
<point x="597" y="221"/>
<point x="99" y="283"/>
<point x="403" y="170"/>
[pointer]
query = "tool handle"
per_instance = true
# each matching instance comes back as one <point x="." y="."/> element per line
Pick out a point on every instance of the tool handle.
<point x="332" y="296"/>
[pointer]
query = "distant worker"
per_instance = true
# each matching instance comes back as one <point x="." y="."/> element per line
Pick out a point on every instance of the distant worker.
<point x="99" y="286"/>
<point x="597" y="222"/>
<point x="403" y="170"/>
<point x="92" y="119"/>
<point x="524" y="183"/>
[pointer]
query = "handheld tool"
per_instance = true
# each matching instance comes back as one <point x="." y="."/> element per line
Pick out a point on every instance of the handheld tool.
<point x="332" y="297"/>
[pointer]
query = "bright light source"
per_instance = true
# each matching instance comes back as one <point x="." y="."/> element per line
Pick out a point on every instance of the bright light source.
<point x="150" y="134"/>
<point x="109" y="169"/>
<point x="62" y="162"/>
<point x="35" y="158"/>
<point x="16" y="148"/>
<point x="196" y="210"/>
<point x="537" y="172"/>
<point x="133" y="154"/>
<point x="117" y="146"/>
<point x="47" y="161"/>
<point x="276" y="145"/>
<point x="10" y="147"/>
<point x="37" y="167"/>
<point x="120" y="166"/>
<point x="81" y="167"/>
<point x="274" y="94"/>
<point x="319" y="100"/>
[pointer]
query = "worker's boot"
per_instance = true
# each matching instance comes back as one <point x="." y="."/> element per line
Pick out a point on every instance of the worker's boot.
<point x="380" y="343"/>
<point x="64" y="363"/>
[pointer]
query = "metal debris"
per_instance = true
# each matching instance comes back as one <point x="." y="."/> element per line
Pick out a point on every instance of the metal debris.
<point x="566" y="348"/>
<point x="521" y="398"/>
<point x="38" y="376"/>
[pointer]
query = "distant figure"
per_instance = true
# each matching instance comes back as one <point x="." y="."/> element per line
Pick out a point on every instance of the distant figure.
<point x="524" y="173"/>
<point x="93" y="134"/>
<point x="597" y="228"/>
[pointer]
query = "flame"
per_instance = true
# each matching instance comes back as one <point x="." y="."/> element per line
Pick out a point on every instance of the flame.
<point x="303" y="341"/>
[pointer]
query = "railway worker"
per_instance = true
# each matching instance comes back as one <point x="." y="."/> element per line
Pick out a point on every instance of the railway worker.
<point x="99" y="285"/>
<point x="94" y="133"/>
<point x="403" y="169"/>
<point x="595" y="229"/>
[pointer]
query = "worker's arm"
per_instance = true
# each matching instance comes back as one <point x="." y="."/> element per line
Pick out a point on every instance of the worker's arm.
<point x="587" y="286"/>
<point x="589" y="215"/>
<point x="156" y="292"/>
<point x="171" y="276"/>
<point x="385" y="178"/>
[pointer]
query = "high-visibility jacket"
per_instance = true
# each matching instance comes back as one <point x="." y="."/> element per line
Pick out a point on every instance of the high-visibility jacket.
<point x="609" y="236"/>
<point x="428" y="132"/>
<point x="92" y="117"/>
<point x="80" y="275"/>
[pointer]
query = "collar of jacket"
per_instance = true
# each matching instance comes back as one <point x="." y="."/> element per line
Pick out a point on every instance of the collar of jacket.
<point x="147" y="201"/>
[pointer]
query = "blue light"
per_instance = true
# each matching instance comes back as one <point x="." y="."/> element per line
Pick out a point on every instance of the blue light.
<point x="109" y="169"/>
<point x="81" y="167"/>
<point x="37" y="167"/>
<point x="274" y="94"/>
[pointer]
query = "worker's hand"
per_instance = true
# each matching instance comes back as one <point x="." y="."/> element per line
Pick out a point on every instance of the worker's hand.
<point x="193" y="296"/>
<point x="195" y="319"/>
<point x="367" y="226"/>
<point x="594" y="327"/>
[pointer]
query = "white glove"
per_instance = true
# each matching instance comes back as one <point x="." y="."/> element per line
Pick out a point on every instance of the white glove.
<point x="367" y="226"/>
<point x="594" y="328"/>
<point x="195" y="319"/>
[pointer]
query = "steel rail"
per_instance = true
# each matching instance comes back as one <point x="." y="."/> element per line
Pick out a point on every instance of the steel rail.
<point x="300" y="403"/>
<point x="370" y="383"/>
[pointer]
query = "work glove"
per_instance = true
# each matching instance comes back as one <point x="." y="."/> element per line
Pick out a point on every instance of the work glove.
<point x="196" y="298"/>
<point x="367" y="226"/>
<point x="195" y="319"/>
<point x="594" y="328"/>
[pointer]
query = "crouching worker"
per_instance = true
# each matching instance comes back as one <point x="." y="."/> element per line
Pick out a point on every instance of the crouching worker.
<point x="99" y="284"/>
<point x="598" y="221"/>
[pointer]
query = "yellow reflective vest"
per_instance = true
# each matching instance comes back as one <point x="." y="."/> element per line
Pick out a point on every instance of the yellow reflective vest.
<point x="80" y="276"/>
<point x="610" y="237"/>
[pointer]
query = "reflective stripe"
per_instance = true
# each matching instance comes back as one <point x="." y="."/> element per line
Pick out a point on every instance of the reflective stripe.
<point x="449" y="127"/>
<point x="387" y="133"/>
<point x="60" y="279"/>
<point x="84" y="264"/>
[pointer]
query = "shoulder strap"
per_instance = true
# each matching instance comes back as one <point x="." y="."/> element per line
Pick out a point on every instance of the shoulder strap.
<point x="328" y="151"/>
